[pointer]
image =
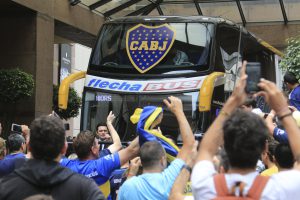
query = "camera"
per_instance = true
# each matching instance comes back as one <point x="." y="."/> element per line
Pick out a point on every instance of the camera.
<point x="16" y="128"/>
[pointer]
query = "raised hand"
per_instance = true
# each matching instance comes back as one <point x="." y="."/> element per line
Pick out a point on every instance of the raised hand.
<point x="274" y="97"/>
<point x="239" y="93"/>
<point x="174" y="104"/>
<point x="134" y="166"/>
<point x="110" y="118"/>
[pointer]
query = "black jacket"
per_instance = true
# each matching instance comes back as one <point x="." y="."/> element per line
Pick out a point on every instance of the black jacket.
<point x="41" y="177"/>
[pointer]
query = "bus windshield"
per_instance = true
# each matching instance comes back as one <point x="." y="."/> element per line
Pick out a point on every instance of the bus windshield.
<point x="98" y="104"/>
<point x="190" y="51"/>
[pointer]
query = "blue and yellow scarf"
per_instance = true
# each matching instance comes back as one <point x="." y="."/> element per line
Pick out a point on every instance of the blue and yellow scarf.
<point x="144" y="119"/>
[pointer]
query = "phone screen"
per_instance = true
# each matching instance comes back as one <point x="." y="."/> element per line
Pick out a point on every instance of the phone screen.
<point x="253" y="70"/>
<point x="16" y="128"/>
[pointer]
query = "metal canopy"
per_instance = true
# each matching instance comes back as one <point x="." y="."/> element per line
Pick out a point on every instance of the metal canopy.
<point x="239" y="11"/>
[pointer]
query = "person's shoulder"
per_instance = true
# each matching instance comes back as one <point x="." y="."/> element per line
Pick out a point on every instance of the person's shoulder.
<point x="104" y="152"/>
<point x="110" y="159"/>
<point x="80" y="178"/>
<point x="118" y="172"/>
<point x="9" y="178"/>
<point x="87" y="185"/>
<point x="288" y="174"/>
<point x="204" y="164"/>
<point x="283" y="185"/>
<point x="296" y="90"/>
<point x="132" y="181"/>
<point x="270" y="171"/>
<point x="67" y="162"/>
<point x="203" y="171"/>
<point x="177" y="160"/>
<point x="286" y="180"/>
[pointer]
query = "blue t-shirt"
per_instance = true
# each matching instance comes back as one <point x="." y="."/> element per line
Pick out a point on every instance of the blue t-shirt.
<point x="99" y="169"/>
<point x="104" y="152"/>
<point x="280" y="135"/>
<point x="8" y="164"/>
<point x="294" y="97"/>
<point x="151" y="185"/>
<point x="116" y="179"/>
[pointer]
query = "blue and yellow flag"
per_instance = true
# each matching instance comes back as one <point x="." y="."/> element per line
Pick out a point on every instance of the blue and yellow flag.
<point x="144" y="119"/>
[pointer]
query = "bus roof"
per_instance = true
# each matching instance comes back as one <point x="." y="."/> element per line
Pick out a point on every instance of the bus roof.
<point x="139" y="19"/>
<point x="215" y="20"/>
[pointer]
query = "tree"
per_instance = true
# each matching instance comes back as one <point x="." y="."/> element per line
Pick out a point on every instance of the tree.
<point x="15" y="85"/>
<point x="74" y="104"/>
<point x="291" y="60"/>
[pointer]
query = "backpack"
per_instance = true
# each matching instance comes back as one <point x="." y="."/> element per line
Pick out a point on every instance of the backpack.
<point x="254" y="193"/>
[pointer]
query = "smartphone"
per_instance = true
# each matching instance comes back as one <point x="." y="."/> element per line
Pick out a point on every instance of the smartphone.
<point x="16" y="128"/>
<point x="253" y="70"/>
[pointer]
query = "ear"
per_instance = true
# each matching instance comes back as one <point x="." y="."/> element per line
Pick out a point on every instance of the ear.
<point x="94" y="150"/>
<point x="266" y="148"/>
<point x="23" y="147"/>
<point x="163" y="162"/>
<point x="64" y="149"/>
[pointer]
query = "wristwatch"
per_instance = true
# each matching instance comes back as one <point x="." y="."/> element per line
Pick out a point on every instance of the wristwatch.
<point x="187" y="168"/>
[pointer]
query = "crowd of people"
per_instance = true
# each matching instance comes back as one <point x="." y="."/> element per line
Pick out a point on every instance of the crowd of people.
<point x="245" y="153"/>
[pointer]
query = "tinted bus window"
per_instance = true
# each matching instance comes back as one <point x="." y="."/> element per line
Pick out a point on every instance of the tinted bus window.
<point x="189" y="52"/>
<point x="97" y="105"/>
<point x="227" y="51"/>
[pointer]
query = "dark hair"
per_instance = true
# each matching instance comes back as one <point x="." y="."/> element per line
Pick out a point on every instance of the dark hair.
<point x="245" y="136"/>
<point x="47" y="137"/>
<point x="284" y="156"/>
<point x="83" y="142"/>
<point x="290" y="77"/>
<point x="151" y="153"/>
<point x="100" y="124"/>
<point x="14" y="142"/>
<point x="224" y="162"/>
<point x="272" y="144"/>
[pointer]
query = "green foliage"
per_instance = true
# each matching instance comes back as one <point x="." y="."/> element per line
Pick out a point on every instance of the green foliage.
<point x="291" y="59"/>
<point x="15" y="85"/>
<point x="74" y="104"/>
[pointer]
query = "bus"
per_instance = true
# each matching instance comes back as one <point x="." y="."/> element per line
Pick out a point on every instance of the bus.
<point x="139" y="61"/>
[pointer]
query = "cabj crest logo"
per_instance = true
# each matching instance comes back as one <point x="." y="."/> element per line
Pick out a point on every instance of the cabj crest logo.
<point x="147" y="45"/>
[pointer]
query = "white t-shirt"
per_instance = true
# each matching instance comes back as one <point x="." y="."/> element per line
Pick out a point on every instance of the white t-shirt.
<point x="282" y="186"/>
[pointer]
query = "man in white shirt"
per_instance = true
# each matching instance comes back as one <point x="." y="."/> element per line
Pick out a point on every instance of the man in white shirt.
<point x="244" y="137"/>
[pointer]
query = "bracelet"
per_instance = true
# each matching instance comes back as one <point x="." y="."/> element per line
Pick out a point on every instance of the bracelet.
<point x="224" y="113"/>
<point x="187" y="168"/>
<point x="285" y="115"/>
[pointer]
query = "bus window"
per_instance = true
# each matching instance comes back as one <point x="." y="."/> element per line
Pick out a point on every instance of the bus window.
<point x="190" y="50"/>
<point x="227" y="54"/>
<point x="98" y="104"/>
<point x="252" y="51"/>
<point x="227" y="51"/>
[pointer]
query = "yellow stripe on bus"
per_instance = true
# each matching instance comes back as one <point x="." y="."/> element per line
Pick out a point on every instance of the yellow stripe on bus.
<point x="206" y="91"/>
